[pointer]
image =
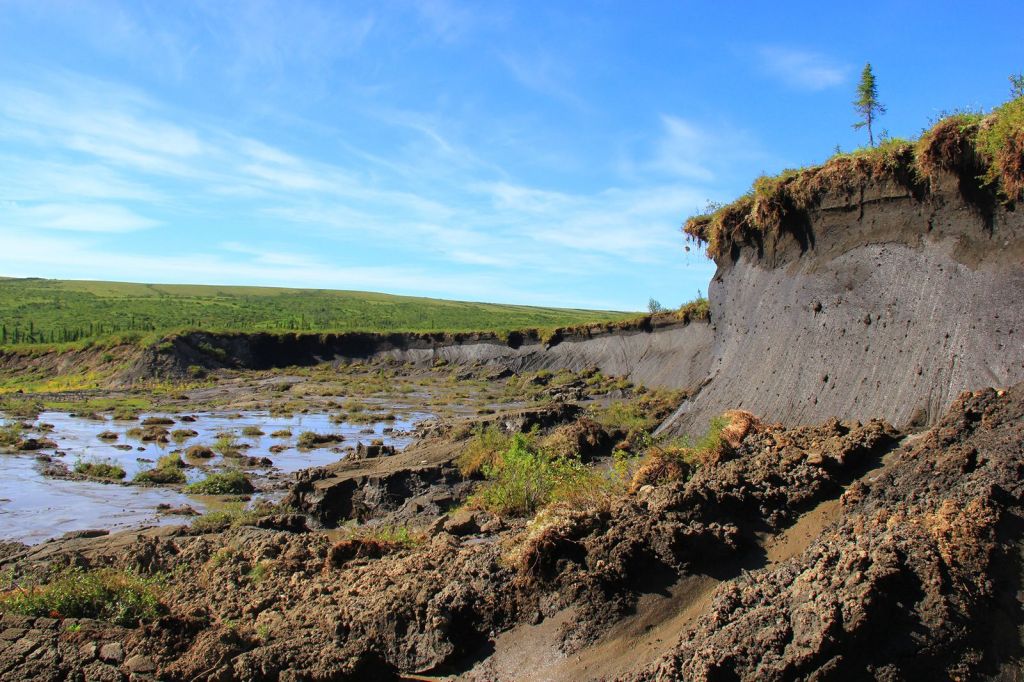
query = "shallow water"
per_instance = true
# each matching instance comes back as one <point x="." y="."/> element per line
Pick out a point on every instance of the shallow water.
<point x="34" y="507"/>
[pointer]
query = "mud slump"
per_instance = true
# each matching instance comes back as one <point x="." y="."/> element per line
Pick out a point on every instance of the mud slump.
<point x="36" y="506"/>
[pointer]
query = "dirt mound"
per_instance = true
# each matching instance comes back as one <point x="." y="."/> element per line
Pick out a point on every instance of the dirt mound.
<point x="920" y="579"/>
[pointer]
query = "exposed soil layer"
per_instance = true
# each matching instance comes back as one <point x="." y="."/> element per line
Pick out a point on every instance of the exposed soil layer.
<point x="919" y="575"/>
<point x="878" y="302"/>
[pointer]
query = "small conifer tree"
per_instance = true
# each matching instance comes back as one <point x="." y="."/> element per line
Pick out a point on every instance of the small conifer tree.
<point x="867" y="104"/>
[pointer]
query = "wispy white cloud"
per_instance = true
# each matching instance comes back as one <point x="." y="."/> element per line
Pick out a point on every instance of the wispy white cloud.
<point x="74" y="217"/>
<point x="448" y="20"/>
<point x="802" y="69"/>
<point x="118" y="161"/>
<point x="697" y="154"/>
<point x="543" y="73"/>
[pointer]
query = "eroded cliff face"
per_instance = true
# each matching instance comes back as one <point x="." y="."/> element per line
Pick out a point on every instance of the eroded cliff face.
<point x="660" y="353"/>
<point x="879" y="303"/>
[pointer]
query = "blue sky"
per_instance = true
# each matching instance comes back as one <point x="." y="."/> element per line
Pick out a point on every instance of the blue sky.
<point x="529" y="152"/>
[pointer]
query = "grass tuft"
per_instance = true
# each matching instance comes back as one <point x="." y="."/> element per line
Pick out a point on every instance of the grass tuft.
<point x="119" y="597"/>
<point x="105" y="470"/>
<point x="224" y="483"/>
<point x="168" y="470"/>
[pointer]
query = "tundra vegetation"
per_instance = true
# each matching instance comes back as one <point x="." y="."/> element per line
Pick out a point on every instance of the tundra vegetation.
<point x="984" y="149"/>
<point x="41" y="311"/>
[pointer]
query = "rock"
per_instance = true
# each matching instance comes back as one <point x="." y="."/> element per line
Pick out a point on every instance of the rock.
<point x="292" y="523"/>
<point x="462" y="522"/>
<point x="112" y="652"/>
<point x="437" y="526"/>
<point x="183" y="510"/>
<point x="375" y="449"/>
<point x="87" y="533"/>
<point x="493" y="525"/>
<point x="140" y="664"/>
<point x="32" y="444"/>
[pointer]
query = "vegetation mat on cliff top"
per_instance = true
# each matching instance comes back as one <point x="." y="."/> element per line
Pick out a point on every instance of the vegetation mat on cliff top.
<point x="984" y="150"/>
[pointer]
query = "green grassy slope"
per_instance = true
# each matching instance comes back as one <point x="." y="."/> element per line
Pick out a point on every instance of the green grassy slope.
<point x="40" y="311"/>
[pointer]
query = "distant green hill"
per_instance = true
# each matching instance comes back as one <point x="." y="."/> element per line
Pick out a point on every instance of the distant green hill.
<point x="44" y="311"/>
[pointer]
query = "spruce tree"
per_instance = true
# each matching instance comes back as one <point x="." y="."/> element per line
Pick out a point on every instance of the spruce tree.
<point x="867" y="104"/>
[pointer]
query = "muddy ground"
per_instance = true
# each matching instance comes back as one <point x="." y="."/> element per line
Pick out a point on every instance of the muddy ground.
<point x="841" y="551"/>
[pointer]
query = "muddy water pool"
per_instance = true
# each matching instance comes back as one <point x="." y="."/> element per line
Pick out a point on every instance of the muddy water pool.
<point x="34" y="507"/>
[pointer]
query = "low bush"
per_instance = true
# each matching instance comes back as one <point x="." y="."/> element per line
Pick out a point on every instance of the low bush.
<point x="252" y="431"/>
<point x="125" y="414"/>
<point x="484" y="448"/>
<point x="1000" y="141"/>
<point x="223" y="483"/>
<point x="119" y="597"/>
<point x="697" y="309"/>
<point x="525" y="478"/>
<point x="675" y="461"/>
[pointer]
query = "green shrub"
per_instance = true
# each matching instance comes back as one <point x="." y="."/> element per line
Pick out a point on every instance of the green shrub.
<point x="525" y="478"/>
<point x="483" y="449"/>
<point x="102" y="469"/>
<point x="219" y="354"/>
<point x="697" y="309"/>
<point x="224" y="483"/>
<point x="252" y="431"/>
<point x="21" y="408"/>
<point x="119" y="597"/>
<point x="158" y="476"/>
<point x="1000" y="141"/>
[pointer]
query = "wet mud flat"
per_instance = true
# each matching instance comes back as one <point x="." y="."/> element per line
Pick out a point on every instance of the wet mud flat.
<point x="249" y="421"/>
<point x="42" y="497"/>
<point x="390" y="483"/>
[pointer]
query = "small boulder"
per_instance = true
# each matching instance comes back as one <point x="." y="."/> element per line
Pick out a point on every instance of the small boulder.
<point x="112" y="652"/>
<point x="462" y="522"/>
